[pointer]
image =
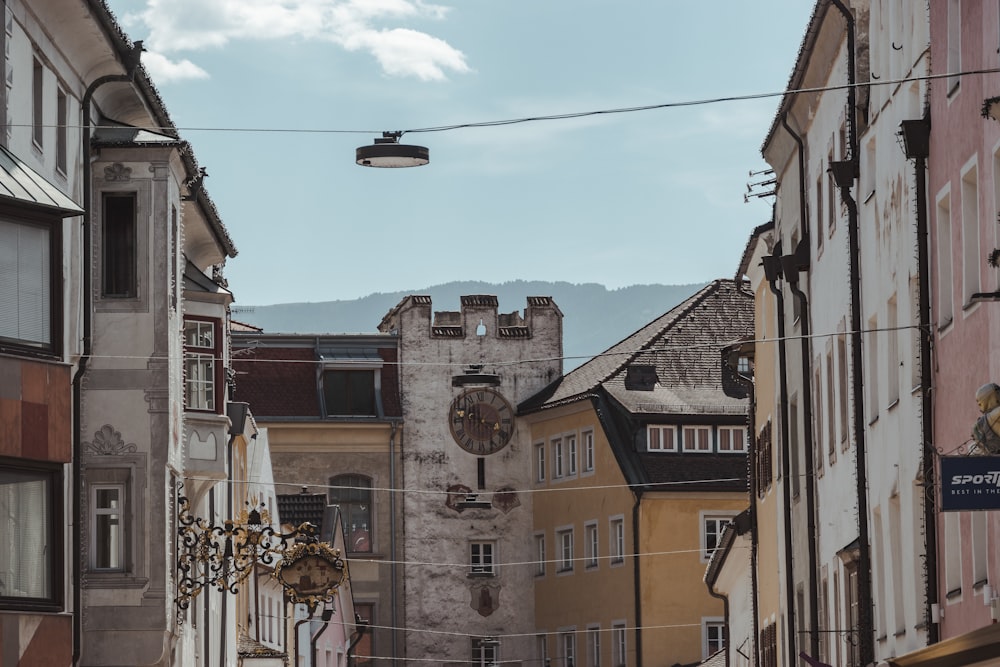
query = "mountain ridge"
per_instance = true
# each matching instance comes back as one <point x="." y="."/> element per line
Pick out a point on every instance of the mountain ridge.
<point x="594" y="317"/>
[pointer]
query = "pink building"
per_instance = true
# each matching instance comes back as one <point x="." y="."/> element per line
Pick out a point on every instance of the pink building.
<point x="963" y="202"/>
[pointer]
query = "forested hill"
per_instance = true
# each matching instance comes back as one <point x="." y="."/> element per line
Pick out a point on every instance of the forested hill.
<point x="594" y="317"/>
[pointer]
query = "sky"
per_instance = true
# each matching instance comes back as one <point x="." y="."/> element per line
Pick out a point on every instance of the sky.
<point x="276" y="95"/>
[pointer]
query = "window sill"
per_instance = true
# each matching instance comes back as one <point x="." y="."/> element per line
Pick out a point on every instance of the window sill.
<point x="98" y="579"/>
<point x="481" y="575"/>
<point x="954" y="594"/>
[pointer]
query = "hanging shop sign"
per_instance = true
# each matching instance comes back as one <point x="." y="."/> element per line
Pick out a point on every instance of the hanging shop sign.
<point x="969" y="483"/>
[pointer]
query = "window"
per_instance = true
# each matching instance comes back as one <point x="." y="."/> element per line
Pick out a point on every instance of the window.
<point x="594" y="646"/>
<point x="954" y="58"/>
<point x="892" y="350"/>
<point x="971" y="260"/>
<point x="353" y="494"/>
<point x="619" y="649"/>
<point x="62" y="130"/>
<point x="661" y="438"/>
<point x="364" y="650"/>
<point x="712" y="529"/>
<point x="872" y="363"/>
<point x="842" y="386"/>
<point x="119" y="246"/>
<point x="27" y="297"/>
<point x="481" y="561"/>
<point x="37" y="97"/>
<point x="713" y="636"/>
<point x="540" y="462"/>
<point x="565" y="539"/>
<point x="732" y="439"/>
<point x="945" y="309"/>
<point x="769" y="646"/>
<point x="541" y="650"/>
<point x="349" y="393"/>
<point x="765" y="471"/>
<point x="568" y="645"/>
<point x="697" y="439"/>
<point x="851" y="598"/>
<point x="558" y="464"/>
<point x="485" y="651"/>
<point x="617" y="529"/>
<point x="590" y="544"/>
<point x="108" y="548"/>
<point x="588" y="451"/>
<point x="539" y="555"/>
<point x="831" y="393"/>
<point x="30" y="552"/>
<point x="202" y="370"/>
<point x="571" y="453"/>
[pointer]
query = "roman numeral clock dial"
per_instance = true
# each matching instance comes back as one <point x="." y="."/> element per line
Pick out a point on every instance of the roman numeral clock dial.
<point x="481" y="421"/>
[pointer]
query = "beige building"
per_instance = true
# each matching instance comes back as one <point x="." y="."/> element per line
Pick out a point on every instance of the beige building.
<point x="638" y="464"/>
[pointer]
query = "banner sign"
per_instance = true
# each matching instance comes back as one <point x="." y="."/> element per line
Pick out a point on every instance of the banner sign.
<point x="969" y="483"/>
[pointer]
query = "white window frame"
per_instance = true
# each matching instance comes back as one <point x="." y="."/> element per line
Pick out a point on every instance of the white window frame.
<point x="200" y="362"/>
<point x="588" y="452"/>
<point x="594" y="645"/>
<point x="571" y="453"/>
<point x="567" y="646"/>
<point x="697" y="439"/>
<point x="540" y="462"/>
<point x="591" y="546"/>
<point x="540" y="554"/>
<point x="564" y="542"/>
<point x="717" y="521"/>
<point x="558" y="465"/>
<point x="482" y="558"/>
<point x="485" y="651"/>
<point x="657" y="436"/>
<point x="726" y="434"/>
<point x="116" y="550"/>
<point x="27" y="284"/>
<point x="619" y="644"/>
<point x="708" y="624"/>
<point x="616" y="534"/>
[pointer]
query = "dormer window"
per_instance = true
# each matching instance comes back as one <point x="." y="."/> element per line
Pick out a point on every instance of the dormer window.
<point x="351" y="385"/>
<point x="640" y="377"/>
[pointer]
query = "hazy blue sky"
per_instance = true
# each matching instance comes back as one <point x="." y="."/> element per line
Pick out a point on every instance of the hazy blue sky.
<point x="618" y="199"/>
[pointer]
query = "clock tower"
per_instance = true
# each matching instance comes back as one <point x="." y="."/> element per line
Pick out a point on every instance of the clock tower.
<point x="467" y="521"/>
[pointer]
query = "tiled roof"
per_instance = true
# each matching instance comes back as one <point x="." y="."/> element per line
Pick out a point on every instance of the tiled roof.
<point x="677" y="373"/>
<point x="683" y="344"/>
<point x="297" y="508"/>
<point x="278" y="377"/>
<point x="250" y="648"/>
<point x="277" y="382"/>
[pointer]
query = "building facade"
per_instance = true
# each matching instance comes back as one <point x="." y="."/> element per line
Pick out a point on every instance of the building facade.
<point x="331" y="406"/>
<point x="639" y="460"/>
<point x="466" y="469"/>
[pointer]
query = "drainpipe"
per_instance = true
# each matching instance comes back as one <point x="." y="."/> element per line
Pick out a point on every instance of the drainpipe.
<point x="327" y="615"/>
<point x="919" y="150"/>
<point x="772" y="270"/>
<point x="394" y="424"/>
<point x="748" y="383"/>
<point x="360" y="628"/>
<point x="86" y="337"/>
<point x="810" y="461"/>
<point x="725" y="616"/>
<point x="845" y="173"/>
<point x="636" y="573"/>
<point x="792" y="265"/>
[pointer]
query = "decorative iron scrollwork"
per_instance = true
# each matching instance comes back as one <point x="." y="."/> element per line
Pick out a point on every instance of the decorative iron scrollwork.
<point x="222" y="557"/>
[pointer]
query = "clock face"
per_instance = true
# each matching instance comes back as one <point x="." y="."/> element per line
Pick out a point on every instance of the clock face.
<point x="481" y="421"/>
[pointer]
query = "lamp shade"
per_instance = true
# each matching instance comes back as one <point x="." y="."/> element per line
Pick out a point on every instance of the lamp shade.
<point x="388" y="152"/>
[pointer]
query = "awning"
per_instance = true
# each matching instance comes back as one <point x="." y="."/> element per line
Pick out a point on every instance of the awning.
<point x="23" y="185"/>
<point x="962" y="651"/>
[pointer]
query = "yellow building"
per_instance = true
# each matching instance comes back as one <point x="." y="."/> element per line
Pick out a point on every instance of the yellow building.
<point x="639" y="462"/>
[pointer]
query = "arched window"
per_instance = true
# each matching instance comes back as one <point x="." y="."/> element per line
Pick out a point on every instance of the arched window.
<point x="353" y="494"/>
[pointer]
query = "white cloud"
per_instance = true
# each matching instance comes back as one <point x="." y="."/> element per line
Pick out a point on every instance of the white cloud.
<point x="164" y="70"/>
<point x="355" y="25"/>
